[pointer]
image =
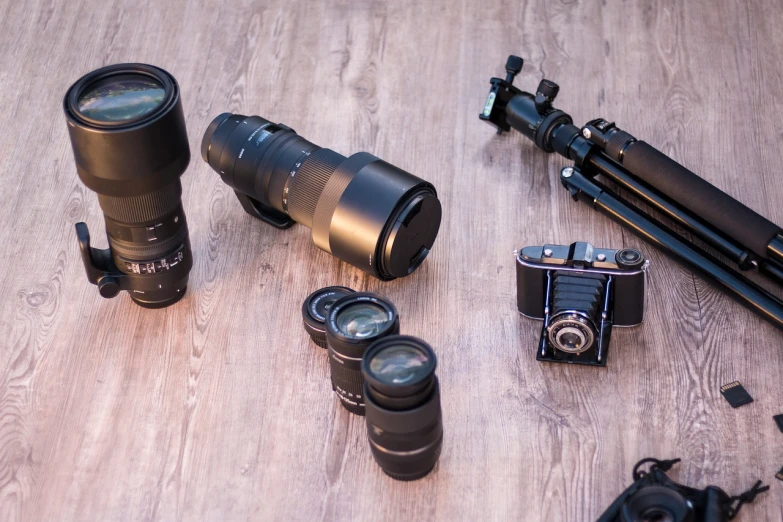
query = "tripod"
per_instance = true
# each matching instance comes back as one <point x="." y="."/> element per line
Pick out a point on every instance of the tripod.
<point x="746" y="238"/>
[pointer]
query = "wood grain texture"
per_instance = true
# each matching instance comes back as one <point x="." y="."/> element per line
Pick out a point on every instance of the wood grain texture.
<point x="219" y="408"/>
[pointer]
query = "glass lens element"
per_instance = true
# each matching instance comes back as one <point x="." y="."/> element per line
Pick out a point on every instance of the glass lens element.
<point x="571" y="340"/>
<point x="657" y="515"/>
<point x="399" y="365"/>
<point x="121" y="98"/>
<point x="362" y="320"/>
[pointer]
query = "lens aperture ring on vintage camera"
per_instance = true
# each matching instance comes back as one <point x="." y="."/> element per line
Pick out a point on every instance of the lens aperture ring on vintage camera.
<point x="571" y="332"/>
<point x="315" y="309"/>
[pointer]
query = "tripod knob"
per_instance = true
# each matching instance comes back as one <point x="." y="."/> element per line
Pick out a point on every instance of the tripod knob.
<point x="545" y="95"/>
<point x="513" y="67"/>
<point x="549" y="89"/>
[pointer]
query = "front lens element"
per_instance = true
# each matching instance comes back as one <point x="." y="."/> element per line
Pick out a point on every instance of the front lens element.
<point x="657" y="504"/>
<point x="122" y="97"/>
<point x="399" y="365"/>
<point x="362" y="320"/>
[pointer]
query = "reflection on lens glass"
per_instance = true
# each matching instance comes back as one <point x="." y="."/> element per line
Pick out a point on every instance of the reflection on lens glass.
<point x="657" y="515"/>
<point x="121" y="98"/>
<point x="571" y="340"/>
<point x="362" y="320"/>
<point x="399" y="365"/>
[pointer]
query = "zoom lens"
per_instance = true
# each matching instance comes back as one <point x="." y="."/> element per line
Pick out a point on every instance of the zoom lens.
<point x="403" y="412"/>
<point x="127" y="131"/>
<point x="353" y="324"/>
<point x="657" y="504"/>
<point x="360" y="209"/>
<point x="315" y="309"/>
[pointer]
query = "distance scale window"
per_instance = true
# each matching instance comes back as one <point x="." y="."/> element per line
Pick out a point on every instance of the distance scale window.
<point x="157" y="266"/>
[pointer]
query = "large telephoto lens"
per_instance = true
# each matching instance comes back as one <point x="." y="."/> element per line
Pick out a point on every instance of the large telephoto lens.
<point x="353" y="324"/>
<point x="360" y="209"/>
<point x="127" y="130"/>
<point x="402" y="401"/>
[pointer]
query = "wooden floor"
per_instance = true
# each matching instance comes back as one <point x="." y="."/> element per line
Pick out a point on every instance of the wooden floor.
<point x="219" y="408"/>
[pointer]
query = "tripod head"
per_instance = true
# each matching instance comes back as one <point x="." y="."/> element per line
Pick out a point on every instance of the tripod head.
<point x="531" y="114"/>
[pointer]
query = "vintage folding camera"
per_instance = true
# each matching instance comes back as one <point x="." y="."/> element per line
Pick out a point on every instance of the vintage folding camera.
<point x="580" y="292"/>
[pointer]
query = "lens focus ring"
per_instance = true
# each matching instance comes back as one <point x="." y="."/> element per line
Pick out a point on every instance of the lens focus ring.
<point x="143" y="208"/>
<point x="306" y="187"/>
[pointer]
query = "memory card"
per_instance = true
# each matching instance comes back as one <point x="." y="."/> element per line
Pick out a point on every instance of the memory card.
<point x="779" y="421"/>
<point x="735" y="394"/>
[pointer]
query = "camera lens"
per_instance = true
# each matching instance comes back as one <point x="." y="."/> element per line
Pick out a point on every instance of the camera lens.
<point x="657" y="504"/>
<point x="360" y="209"/>
<point x="354" y="322"/>
<point x="571" y="333"/>
<point x="120" y="98"/>
<point x="127" y="130"/>
<point x="403" y="411"/>
<point x="316" y="308"/>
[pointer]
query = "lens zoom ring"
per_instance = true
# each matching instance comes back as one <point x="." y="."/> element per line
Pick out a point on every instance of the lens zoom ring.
<point x="308" y="184"/>
<point x="144" y="208"/>
<point x="348" y="382"/>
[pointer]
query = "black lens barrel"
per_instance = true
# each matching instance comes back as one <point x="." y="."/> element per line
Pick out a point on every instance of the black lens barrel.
<point x="345" y="351"/>
<point x="360" y="209"/>
<point x="404" y="422"/>
<point x="134" y="164"/>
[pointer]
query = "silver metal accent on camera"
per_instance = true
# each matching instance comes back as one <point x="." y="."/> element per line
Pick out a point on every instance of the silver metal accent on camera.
<point x="567" y="172"/>
<point x="586" y="133"/>
<point x="573" y="323"/>
<point x="601" y="257"/>
<point x="548" y="252"/>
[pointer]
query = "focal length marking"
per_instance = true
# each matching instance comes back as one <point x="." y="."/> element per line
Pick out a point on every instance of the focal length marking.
<point x="292" y="174"/>
<point x="159" y="265"/>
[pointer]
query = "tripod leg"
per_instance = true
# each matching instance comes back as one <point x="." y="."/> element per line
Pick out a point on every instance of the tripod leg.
<point x="734" y="284"/>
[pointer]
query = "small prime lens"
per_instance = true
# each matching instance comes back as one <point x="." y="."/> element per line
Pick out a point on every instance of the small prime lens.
<point x="354" y="322"/>
<point x="360" y="209"/>
<point x="127" y="130"/>
<point x="315" y="309"/>
<point x="403" y="411"/>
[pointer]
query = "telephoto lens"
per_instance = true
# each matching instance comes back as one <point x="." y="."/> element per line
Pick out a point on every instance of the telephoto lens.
<point x="402" y="400"/>
<point x="360" y="209"/>
<point x="127" y="131"/>
<point x="353" y="324"/>
<point x="315" y="309"/>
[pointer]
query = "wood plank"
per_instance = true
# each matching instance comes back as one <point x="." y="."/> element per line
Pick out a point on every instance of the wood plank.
<point x="219" y="408"/>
